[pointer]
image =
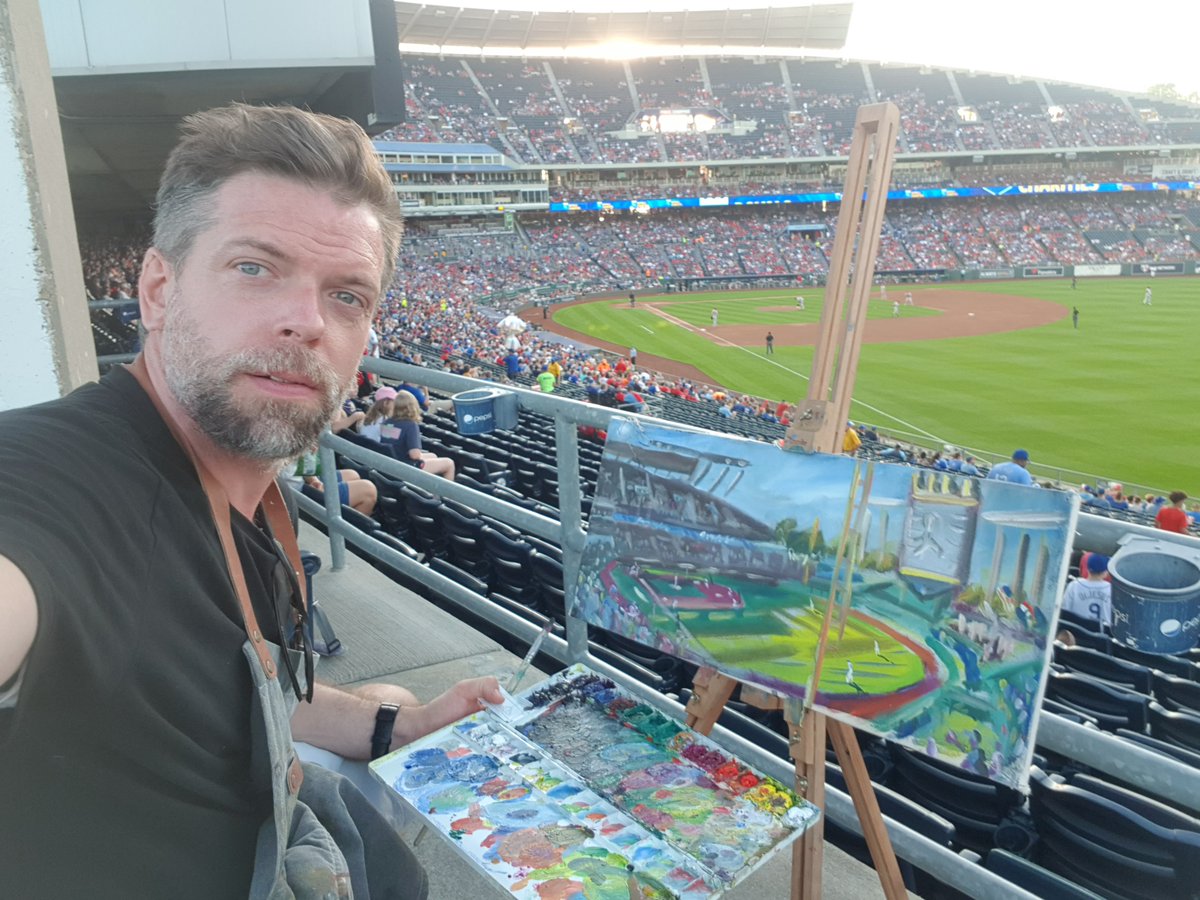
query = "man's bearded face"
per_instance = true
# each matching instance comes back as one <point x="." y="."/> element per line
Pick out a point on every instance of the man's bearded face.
<point x="206" y="384"/>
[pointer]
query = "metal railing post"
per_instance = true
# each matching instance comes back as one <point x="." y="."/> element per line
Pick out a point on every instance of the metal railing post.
<point x="333" y="506"/>
<point x="570" y="515"/>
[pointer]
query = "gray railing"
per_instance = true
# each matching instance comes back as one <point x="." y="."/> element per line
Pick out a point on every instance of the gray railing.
<point x="1133" y="765"/>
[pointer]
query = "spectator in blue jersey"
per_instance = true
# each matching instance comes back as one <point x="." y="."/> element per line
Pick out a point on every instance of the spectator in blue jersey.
<point x="422" y="400"/>
<point x="969" y="467"/>
<point x="512" y="365"/>
<point x="1091" y="597"/>
<point x="1013" y="471"/>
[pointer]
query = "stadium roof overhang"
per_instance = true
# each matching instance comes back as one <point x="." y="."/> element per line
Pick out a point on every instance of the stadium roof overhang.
<point x="818" y="26"/>
<point x="118" y="128"/>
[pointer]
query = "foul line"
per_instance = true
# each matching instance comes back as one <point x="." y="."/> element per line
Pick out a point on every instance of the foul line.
<point x="916" y="429"/>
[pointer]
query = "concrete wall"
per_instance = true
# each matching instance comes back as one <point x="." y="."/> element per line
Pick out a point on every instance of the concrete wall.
<point x="46" y="343"/>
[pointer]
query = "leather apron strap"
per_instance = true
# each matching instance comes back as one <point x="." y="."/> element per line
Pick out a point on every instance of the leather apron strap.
<point x="275" y="512"/>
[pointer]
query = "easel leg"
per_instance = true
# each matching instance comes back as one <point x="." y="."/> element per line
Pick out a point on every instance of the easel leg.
<point x="808" y="750"/>
<point x="849" y="755"/>
<point x="710" y="692"/>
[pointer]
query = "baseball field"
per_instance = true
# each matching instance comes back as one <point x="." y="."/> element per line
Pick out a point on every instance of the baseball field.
<point x="986" y="366"/>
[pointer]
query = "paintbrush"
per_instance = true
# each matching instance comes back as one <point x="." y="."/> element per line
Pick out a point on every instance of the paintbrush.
<point x="528" y="660"/>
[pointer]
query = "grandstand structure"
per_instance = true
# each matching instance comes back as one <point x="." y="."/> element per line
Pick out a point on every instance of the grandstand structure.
<point x="693" y="170"/>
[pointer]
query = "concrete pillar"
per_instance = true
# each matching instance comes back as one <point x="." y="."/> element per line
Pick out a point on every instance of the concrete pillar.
<point x="46" y="346"/>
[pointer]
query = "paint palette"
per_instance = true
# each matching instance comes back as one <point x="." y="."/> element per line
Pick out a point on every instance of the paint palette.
<point x="588" y="790"/>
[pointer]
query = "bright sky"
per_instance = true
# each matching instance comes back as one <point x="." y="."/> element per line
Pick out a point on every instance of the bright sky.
<point x="1127" y="46"/>
<point x="1124" y="46"/>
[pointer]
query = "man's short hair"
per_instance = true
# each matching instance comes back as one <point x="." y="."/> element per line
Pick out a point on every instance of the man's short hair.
<point x="319" y="150"/>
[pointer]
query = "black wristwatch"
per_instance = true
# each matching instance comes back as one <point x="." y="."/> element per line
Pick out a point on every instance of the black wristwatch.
<point x="381" y="737"/>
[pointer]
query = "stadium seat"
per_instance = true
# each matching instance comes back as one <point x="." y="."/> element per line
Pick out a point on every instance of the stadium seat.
<point x="1066" y="617"/>
<point x="1106" y="668"/>
<point x="389" y="508"/>
<point x="1087" y="637"/>
<point x="1112" y="707"/>
<point x="1177" y="694"/>
<point x="548" y="576"/>
<point x="1112" y="841"/>
<point x="1179" y="666"/>
<point x="1179" y="728"/>
<point x="509" y="571"/>
<point x="1071" y="714"/>
<point x="974" y="805"/>
<point x="464" y="531"/>
<point x="367" y="443"/>
<point x="363" y="523"/>
<point x="424" y="532"/>
<point x="454" y="573"/>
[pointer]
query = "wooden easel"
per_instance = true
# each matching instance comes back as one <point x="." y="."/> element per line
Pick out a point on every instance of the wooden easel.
<point x="818" y="426"/>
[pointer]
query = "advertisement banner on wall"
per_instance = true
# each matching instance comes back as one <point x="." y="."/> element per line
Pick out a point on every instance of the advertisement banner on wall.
<point x="1043" y="272"/>
<point x="1157" y="268"/>
<point x="997" y="273"/>
<point x="1172" y="172"/>
<point x="1097" y="271"/>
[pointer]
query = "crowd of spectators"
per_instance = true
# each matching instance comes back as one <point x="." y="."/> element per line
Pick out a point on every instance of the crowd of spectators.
<point x="555" y="254"/>
<point x="523" y="108"/>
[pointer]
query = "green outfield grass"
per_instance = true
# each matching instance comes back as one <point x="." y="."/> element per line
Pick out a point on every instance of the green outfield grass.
<point x="1114" y="398"/>
<point x="766" y="308"/>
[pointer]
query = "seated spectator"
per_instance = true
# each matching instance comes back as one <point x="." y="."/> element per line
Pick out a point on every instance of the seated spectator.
<point x="377" y="416"/>
<point x="353" y="490"/>
<point x="630" y="400"/>
<point x="347" y="419"/>
<point x="850" y="440"/>
<point x="1115" y="495"/>
<point x="1091" y="597"/>
<point x="407" y="444"/>
<point x="1013" y="471"/>
<point x="422" y="400"/>
<point x="1173" y="517"/>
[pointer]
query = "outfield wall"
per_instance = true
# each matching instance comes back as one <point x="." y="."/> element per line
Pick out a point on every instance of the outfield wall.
<point x="999" y="273"/>
<point x="1091" y="270"/>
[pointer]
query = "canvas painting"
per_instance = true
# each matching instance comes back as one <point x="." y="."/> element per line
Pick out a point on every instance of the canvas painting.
<point x="944" y="588"/>
<point x="586" y="791"/>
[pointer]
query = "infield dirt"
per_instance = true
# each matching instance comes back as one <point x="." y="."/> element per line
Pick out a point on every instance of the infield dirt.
<point x="962" y="314"/>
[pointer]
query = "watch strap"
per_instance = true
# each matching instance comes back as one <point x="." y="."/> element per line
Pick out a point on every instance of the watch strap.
<point x="381" y="737"/>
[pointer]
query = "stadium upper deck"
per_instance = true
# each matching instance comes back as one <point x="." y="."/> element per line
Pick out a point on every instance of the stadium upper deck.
<point x="581" y="112"/>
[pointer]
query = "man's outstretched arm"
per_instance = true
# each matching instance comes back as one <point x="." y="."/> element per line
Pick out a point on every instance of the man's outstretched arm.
<point x="18" y="618"/>
<point x="342" y="721"/>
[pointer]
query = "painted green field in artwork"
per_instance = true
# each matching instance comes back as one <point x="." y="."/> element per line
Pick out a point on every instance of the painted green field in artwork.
<point x="1112" y="399"/>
